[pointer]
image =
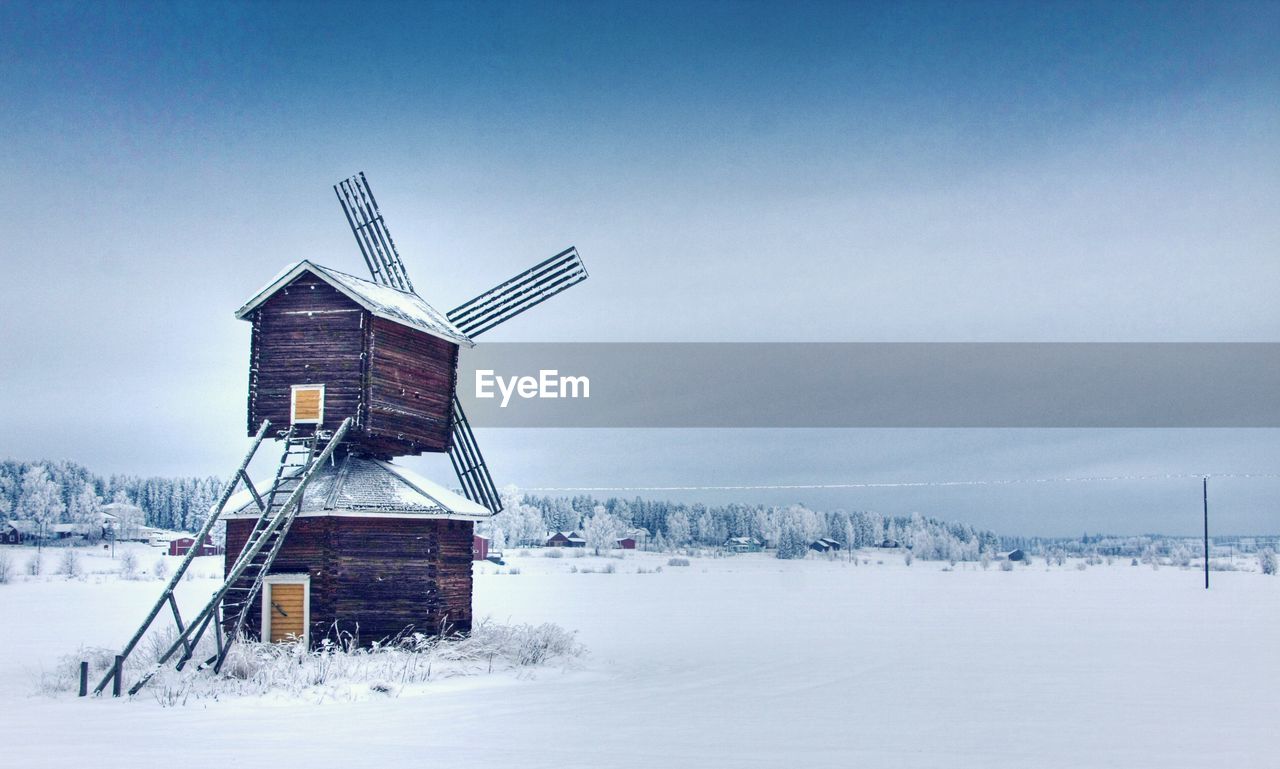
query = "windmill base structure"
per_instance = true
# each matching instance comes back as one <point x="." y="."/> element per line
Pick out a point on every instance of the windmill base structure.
<point x="376" y="551"/>
<point x="345" y="543"/>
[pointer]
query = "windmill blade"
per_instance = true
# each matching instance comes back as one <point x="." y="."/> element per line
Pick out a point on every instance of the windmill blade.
<point x="367" y="224"/>
<point x="512" y="297"/>
<point x="468" y="463"/>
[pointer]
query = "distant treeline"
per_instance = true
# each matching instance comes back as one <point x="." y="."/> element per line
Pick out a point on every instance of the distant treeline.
<point x="65" y="492"/>
<point x="789" y="528"/>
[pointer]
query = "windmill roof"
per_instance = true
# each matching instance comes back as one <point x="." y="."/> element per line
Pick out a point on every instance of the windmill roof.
<point x="357" y="485"/>
<point x="403" y="307"/>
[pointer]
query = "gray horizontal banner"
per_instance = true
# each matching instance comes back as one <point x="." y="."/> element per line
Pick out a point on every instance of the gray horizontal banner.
<point x="871" y="385"/>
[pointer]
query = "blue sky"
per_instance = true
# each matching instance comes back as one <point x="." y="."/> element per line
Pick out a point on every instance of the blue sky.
<point x="932" y="172"/>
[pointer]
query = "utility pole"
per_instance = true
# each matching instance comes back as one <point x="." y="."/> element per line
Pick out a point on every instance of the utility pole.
<point x="1205" y="488"/>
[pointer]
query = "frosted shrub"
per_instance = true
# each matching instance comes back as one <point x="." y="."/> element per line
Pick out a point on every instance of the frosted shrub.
<point x="162" y="568"/>
<point x="337" y="670"/>
<point x="35" y="565"/>
<point x="1266" y="562"/>
<point x="514" y="570"/>
<point x="609" y="569"/>
<point x="6" y="568"/>
<point x="579" y="552"/>
<point x="986" y="560"/>
<point x="342" y="669"/>
<point x="1006" y="565"/>
<point x="128" y="564"/>
<point x="69" y="563"/>
<point x="553" y="552"/>
<point x="1081" y="566"/>
<point x="678" y="562"/>
<point x="907" y="558"/>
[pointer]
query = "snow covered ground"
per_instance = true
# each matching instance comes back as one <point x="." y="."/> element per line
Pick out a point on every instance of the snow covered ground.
<point x="743" y="661"/>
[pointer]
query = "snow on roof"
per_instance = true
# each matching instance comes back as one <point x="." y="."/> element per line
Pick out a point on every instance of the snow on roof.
<point x="403" y="307"/>
<point x="70" y="528"/>
<point x="370" y="486"/>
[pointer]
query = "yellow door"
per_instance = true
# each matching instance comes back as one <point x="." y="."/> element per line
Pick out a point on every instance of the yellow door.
<point x="287" y="606"/>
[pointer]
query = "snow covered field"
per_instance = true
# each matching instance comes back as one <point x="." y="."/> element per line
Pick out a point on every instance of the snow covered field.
<point x="743" y="661"/>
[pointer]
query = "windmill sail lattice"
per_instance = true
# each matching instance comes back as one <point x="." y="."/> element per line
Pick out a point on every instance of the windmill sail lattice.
<point x="498" y="305"/>
<point x="371" y="232"/>
<point x="522" y="292"/>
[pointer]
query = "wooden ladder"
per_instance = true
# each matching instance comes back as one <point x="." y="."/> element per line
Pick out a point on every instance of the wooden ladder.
<point x="227" y="607"/>
<point x="265" y="541"/>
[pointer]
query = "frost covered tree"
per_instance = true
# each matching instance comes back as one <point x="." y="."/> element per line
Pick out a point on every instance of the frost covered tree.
<point x="793" y="541"/>
<point x="704" y="527"/>
<point x="766" y="526"/>
<point x="1267" y="561"/>
<point x="561" y="516"/>
<point x="519" y="524"/>
<point x="41" y="499"/>
<point x="678" y="529"/>
<point x="85" y="510"/>
<point x="601" y="530"/>
<point x="128" y="564"/>
<point x="659" y="543"/>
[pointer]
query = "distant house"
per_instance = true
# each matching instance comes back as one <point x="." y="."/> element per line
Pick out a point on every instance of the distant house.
<point x="637" y="536"/>
<point x="890" y="543"/>
<point x="479" y="548"/>
<point x="826" y="545"/>
<point x="743" y="545"/>
<point x="1015" y="555"/>
<point x="125" y="521"/>
<point x="566" y="539"/>
<point x="65" y="531"/>
<point x="17" y="531"/>
<point x="181" y="545"/>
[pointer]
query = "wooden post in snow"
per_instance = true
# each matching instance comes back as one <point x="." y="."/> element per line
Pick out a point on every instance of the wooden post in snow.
<point x="1205" y="489"/>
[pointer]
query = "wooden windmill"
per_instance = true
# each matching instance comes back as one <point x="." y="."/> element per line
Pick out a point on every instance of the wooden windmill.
<point x="352" y="373"/>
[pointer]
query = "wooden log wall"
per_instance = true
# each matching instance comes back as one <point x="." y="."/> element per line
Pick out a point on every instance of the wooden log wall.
<point x="374" y="578"/>
<point x="411" y="380"/>
<point x="307" y="333"/>
<point x="397" y="383"/>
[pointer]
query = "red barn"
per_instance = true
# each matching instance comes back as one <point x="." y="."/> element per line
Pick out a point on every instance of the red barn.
<point x="181" y="545"/>
<point x="479" y="548"/>
<point x="627" y="543"/>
